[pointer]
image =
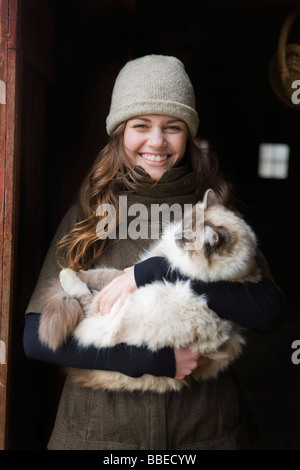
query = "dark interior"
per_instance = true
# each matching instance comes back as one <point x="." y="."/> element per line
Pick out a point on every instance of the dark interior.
<point x="71" y="52"/>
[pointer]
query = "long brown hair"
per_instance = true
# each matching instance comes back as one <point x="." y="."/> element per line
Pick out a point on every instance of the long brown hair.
<point x="82" y="246"/>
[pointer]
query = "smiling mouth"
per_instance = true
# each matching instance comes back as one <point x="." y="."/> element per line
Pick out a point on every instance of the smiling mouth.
<point x="154" y="158"/>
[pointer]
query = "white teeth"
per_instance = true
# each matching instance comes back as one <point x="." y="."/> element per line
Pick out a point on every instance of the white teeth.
<point x="154" y="158"/>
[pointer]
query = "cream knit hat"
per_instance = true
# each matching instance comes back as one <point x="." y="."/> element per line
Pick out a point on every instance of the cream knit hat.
<point x="154" y="84"/>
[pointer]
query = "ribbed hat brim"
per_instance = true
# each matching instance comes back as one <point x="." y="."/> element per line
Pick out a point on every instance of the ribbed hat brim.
<point x="178" y="110"/>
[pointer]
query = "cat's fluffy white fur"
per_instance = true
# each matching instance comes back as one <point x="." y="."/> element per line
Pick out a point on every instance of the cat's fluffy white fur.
<point x="170" y="314"/>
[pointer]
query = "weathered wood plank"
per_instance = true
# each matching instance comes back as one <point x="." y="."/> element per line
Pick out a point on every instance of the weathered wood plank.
<point x="8" y="65"/>
<point x="3" y="332"/>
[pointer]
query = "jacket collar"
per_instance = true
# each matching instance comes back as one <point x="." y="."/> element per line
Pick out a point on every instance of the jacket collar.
<point x="175" y="182"/>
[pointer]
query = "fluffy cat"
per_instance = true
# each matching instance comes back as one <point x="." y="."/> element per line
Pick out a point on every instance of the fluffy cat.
<point x="162" y="313"/>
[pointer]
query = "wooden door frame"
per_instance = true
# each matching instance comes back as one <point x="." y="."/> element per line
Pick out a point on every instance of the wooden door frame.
<point x="9" y="165"/>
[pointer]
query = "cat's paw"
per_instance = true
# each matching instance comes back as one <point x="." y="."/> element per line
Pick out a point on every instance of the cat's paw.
<point x="71" y="283"/>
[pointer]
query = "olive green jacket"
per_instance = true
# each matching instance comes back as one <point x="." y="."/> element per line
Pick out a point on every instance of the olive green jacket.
<point x="206" y="415"/>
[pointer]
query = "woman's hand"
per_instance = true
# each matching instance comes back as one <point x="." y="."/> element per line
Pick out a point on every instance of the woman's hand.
<point x="118" y="289"/>
<point x="187" y="361"/>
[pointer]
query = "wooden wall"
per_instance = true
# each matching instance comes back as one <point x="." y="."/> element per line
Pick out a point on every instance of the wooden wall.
<point x="9" y="168"/>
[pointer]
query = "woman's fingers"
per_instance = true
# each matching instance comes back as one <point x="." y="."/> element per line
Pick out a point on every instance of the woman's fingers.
<point x="117" y="290"/>
<point x="187" y="361"/>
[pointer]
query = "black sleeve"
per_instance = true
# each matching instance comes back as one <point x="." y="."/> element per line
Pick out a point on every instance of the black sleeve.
<point x="129" y="360"/>
<point x="253" y="305"/>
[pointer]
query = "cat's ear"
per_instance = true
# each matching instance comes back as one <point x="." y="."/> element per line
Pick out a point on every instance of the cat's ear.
<point x="217" y="235"/>
<point x="211" y="236"/>
<point x="210" y="199"/>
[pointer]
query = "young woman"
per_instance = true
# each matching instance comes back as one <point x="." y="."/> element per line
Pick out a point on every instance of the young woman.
<point x="151" y="158"/>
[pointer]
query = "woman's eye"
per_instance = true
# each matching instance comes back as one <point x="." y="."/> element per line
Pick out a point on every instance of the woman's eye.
<point x="174" y="128"/>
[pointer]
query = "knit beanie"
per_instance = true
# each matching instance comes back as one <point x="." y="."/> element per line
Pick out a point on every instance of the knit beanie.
<point x="154" y="84"/>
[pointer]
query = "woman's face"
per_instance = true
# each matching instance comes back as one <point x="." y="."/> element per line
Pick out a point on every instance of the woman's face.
<point x="155" y="142"/>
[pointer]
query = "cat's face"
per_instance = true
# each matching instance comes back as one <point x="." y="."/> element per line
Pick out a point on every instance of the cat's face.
<point x="204" y="227"/>
<point x="215" y="238"/>
<point x="210" y="230"/>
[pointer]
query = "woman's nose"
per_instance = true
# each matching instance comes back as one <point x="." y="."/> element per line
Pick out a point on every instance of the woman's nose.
<point x="156" y="139"/>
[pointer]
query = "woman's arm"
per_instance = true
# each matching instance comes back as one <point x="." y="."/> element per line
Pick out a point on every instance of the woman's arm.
<point x="132" y="361"/>
<point x="129" y="360"/>
<point x="253" y="305"/>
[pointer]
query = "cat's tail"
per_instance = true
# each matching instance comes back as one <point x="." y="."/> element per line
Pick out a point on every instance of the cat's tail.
<point x="60" y="316"/>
